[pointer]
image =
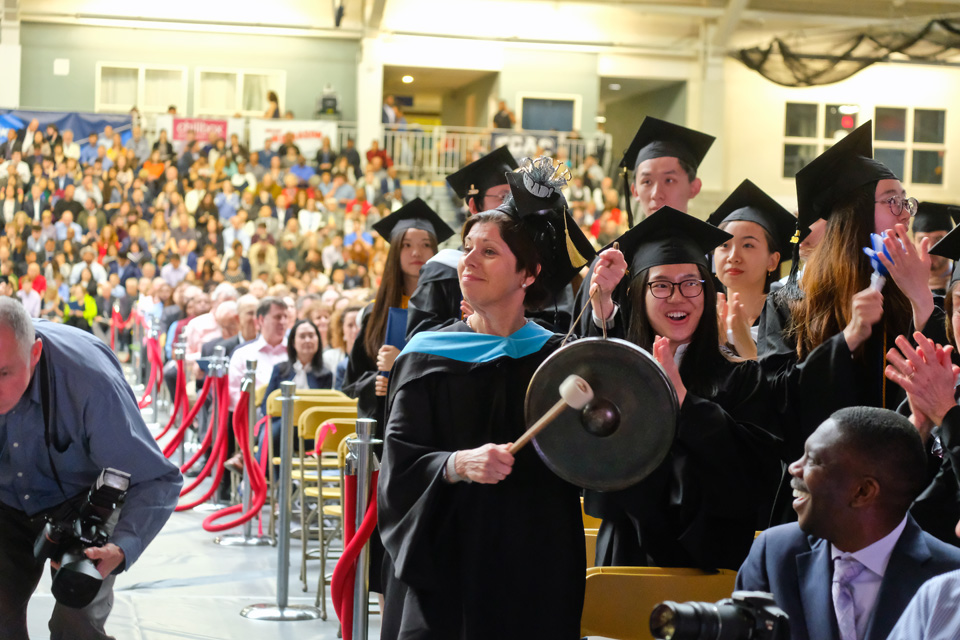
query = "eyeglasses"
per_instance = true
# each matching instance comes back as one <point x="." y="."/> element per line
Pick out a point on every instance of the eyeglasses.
<point x="499" y="198"/>
<point x="898" y="204"/>
<point x="664" y="289"/>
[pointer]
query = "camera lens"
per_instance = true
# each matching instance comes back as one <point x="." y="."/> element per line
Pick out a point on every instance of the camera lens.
<point x="690" y="621"/>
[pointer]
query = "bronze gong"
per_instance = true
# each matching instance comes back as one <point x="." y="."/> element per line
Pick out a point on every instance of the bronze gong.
<point x="624" y="433"/>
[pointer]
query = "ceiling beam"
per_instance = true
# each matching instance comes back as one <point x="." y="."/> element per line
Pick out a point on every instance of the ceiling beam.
<point x="728" y="22"/>
<point x="373" y="17"/>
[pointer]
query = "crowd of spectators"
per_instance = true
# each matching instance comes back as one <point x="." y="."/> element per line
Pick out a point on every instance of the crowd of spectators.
<point x="107" y="224"/>
<point x="113" y="223"/>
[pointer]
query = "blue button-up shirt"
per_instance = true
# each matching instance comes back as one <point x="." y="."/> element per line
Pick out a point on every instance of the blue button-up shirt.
<point x="94" y="423"/>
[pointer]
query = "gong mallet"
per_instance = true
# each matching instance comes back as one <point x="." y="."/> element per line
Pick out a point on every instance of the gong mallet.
<point x="574" y="393"/>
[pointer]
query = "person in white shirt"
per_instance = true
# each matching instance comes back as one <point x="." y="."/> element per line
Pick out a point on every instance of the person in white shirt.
<point x="70" y="148"/>
<point x="205" y="327"/>
<point x="269" y="349"/>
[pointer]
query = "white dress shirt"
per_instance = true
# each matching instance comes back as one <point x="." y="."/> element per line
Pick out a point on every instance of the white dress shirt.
<point x="265" y="355"/>
<point x="866" y="586"/>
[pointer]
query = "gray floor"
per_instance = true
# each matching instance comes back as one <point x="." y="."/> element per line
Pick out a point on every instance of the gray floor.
<point x="185" y="586"/>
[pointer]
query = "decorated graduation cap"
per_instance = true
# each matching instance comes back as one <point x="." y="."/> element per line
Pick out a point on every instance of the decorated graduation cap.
<point x="661" y="139"/>
<point x="934" y="216"/>
<point x="416" y="214"/>
<point x="539" y="204"/>
<point x="841" y="169"/>
<point x="480" y="175"/>
<point x="669" y="237"/>
<point x="749" y="202"/>
<point x="949" y="247"/>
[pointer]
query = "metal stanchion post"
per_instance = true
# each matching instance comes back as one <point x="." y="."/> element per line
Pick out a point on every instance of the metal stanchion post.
<point x="114" y="334"/>
<point x="217" y="369"/>
<point x="362" y="462"/>
<point x="154" y="391"/>
<point x="282" y="610"/>
<point x="135" y="349"/>
<point x="247" y="539"/>
<point x="179" y="353"/>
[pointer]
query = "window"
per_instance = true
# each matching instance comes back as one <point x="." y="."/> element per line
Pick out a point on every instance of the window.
<point x="226" y="92"/>
<point x="152" y="89"/>
<point x="549" y="111"/>
<point x="911" y="143"/>
<point x="803" y="121"/>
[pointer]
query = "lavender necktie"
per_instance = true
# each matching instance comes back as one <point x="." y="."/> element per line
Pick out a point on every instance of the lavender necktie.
<point x="845" y="571"/>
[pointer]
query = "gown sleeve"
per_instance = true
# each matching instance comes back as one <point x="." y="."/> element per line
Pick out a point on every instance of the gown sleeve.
<point x="937" y="509"/>
<point x="360" y="379"/>
<point x="416" y="518"/>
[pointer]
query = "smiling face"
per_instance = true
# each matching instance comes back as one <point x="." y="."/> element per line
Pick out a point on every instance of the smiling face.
<point x="306" y="342"/>
<point x="824" y="482"/>
<point x="744" y="261"/>
<point x="883" y="217"/>
<point x="488" y="269"/>
<point x="415" y="249"/>
<point x="663" y="182"/>
<point x="675" y="318"/>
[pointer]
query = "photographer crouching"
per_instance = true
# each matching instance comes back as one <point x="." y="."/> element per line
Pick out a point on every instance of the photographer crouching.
<point x="66" y="415"/>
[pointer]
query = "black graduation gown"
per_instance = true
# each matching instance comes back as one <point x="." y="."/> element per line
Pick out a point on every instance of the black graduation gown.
<point x="937" y="509"/>
<point x="838" y="379"/>
<point x="436" y="301"/>
<point x="360" y="379"/>
<point x="474" y="561"/>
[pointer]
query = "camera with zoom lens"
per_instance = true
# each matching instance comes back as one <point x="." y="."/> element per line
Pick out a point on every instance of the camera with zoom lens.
<point x="64" y="538"/>
<point x="747" y="615"/>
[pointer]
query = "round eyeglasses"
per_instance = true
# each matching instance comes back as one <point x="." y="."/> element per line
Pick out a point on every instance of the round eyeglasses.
<point x="664" y="289"/>
<point x="898" y="204"/>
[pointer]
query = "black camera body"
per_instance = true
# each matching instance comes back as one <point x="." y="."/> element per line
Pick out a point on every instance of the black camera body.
<point x="63" y="539"/>
<point x="747" y="615"/>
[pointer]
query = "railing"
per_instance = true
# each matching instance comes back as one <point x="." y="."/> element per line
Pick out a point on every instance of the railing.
<point x="432" y="152"/>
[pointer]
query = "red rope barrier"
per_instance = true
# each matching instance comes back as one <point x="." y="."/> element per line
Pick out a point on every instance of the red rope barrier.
<point x="344" y="574"/>
<point x="218" y="455"/>
<point x="258" y="483"/>
<point x="155" y="358"/>
<point x="188" y="419"/>
<point x="179" y="399"/>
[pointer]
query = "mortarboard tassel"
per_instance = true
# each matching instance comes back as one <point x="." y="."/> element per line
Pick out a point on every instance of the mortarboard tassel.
<point x="576" y="259"/>
<point x="626" y="196"/>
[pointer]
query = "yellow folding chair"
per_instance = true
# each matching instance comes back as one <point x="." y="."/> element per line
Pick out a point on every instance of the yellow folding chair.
<point x="327" y="493"/>
<point x="590" y="535"/>
<point x="302" y="402"/>
<point x="589" y="522"/>
<point x="618" y="601"/>
<point x="309" y="422"/>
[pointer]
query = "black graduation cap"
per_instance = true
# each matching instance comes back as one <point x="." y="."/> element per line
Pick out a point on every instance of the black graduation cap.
<point x="416" y="214"/>
<point x="749" y="202"/>
<point x="539" y="204"/>
<point x="480" y="175"/>
<point x="669" y="237"/>
<point x="933" y="216"/>
<point x="949" y="247"/>
<point x="658" y="138"/>
<point x="845" y="166"/>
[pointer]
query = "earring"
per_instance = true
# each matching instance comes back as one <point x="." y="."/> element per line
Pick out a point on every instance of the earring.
<point x="523" y="286"/>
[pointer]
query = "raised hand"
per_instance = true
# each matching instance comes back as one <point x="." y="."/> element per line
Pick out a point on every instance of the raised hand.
<point x="607" y="273"/>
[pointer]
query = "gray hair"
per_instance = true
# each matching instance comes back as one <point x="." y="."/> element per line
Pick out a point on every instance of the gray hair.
<point x="14" y="317"/>
<point x="224" y="291"/>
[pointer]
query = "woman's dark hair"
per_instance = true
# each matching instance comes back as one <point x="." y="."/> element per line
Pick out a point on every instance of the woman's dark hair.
<point x="837" y="270"/>
<point x="389" y="294"/>
<point x="698" y="368"/>
<point x="519" y="237"/>
<point x="272" y="96"/>
<point x="316" y="363"/>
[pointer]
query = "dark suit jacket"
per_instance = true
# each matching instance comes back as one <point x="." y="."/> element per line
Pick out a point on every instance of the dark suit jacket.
<point x="322" y="379"/>
<point x="797" y="570"/>
<point x="28" y="206"/>
<point x="230" y="344"/>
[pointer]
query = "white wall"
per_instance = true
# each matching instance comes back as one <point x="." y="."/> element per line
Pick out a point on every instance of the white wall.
<point x="755" y="113"/>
